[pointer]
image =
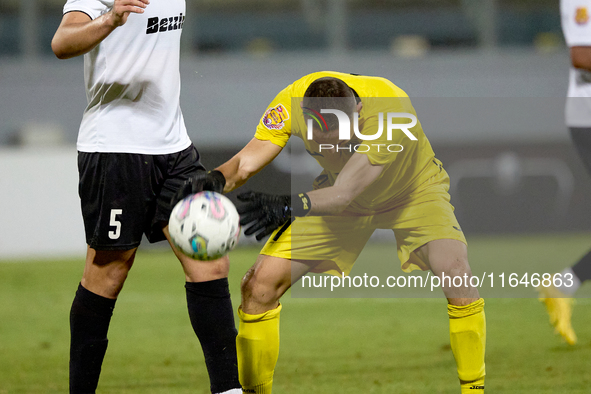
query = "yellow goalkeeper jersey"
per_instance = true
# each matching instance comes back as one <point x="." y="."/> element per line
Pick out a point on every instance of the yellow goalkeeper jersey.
<point x="408" y="163"/>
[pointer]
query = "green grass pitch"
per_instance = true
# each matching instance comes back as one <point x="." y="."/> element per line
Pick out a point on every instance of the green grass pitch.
<point x="361" y="345"/>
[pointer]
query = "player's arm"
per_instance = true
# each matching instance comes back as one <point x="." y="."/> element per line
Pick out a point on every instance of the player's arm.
<point x="264" y="213"/>
<point x="580" y="57"/>
<point x="355" y="177"/>
<point x="78" y="34"/>
<point x="233" y="173"/>
<point x="246" y="163"/>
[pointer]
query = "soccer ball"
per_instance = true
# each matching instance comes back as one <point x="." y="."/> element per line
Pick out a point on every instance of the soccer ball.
<point x="204" y="226"/>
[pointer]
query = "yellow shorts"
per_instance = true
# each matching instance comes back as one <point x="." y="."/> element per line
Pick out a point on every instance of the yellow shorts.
<point x="337" y="241"/>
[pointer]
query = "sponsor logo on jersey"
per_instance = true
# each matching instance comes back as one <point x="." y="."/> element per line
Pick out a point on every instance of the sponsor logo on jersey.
<point x="274" y="118"/>
<point x="581" y="16"/>
<point x="160" y="25"/>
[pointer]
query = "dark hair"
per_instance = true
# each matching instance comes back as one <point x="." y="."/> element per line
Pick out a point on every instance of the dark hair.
<point x="329" y="93"/>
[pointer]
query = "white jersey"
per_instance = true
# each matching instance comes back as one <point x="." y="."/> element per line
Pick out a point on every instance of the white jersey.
<point x="133" y="82"/>
<point x="576" y="26"/>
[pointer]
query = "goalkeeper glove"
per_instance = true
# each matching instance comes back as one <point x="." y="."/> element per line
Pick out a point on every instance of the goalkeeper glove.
<point x="266" y="212"/>
<point x="204" y="181"/>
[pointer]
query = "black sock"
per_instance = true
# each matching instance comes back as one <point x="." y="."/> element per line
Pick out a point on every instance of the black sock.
<point x="582" y="269"/>
<point x="212" y="318"/>
<point x="89" y="322"/>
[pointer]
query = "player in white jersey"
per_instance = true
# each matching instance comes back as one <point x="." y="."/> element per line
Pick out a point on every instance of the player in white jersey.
<point x="134" y="153"/>
<point x="576" y="26"/>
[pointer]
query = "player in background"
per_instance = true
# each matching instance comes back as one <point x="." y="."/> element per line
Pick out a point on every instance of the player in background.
<point x="357" y="192"/>
<point x="576" y="26"/>
<point x="134" y="154"/>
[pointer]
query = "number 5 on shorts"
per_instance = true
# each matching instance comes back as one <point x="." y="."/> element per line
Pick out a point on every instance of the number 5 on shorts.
<point x="115" y="223"/>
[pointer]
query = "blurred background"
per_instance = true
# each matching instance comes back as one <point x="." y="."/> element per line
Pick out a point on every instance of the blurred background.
<point x="488" y="79"/>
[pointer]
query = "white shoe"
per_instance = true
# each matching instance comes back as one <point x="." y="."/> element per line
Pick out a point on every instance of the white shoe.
<point x="233" y="391"/>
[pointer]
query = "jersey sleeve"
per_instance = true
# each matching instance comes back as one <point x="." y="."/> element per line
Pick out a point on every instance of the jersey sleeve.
<point x="576" y="24"/>
<point x="275" y="124"/>
<point x="92" y="8"/>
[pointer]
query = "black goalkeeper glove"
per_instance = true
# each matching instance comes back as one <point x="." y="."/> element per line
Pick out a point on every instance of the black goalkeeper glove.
<point x="266" y="212"/>
<point x="204" y="181"/>
<point x="263" y="212"/>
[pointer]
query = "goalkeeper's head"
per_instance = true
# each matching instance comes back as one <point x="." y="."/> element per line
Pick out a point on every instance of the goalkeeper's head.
<point x="328" y="93"/>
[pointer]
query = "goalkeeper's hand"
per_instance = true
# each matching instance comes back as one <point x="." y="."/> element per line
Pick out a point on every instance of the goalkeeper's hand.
<point x="264" y="213"/>
<point x="204" y="181"/>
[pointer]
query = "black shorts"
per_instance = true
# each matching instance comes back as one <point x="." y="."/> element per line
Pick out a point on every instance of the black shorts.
<point x="582" y="140"/>
<point x="125" y="195"/>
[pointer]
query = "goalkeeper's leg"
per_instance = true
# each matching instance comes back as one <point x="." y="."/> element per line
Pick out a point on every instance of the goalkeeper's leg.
<point x="467" y="324"/>
<point x="257" y="343"/>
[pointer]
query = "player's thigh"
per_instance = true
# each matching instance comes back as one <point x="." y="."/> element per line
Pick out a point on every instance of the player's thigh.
<point x="427" y="217"/>
<point x="448" y="259"/>
<point x="448" y="256"/>
<point x="428" y="236"/>
<point x="333" y="243"/>
<point x="268" y="279"/>
<point x="116" y="193"/>
<point x="196" y="270"/>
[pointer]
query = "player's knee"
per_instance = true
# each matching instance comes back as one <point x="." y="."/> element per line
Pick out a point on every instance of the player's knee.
<point x="106" y="271"/>
<point x="218" y="268"/>
<point x="456" y="266"/>
<point x="257" y="290"/>
<point x="247" y="285"/>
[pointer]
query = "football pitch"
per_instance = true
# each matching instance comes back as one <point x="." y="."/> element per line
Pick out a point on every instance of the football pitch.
<point x="359" y="345"/>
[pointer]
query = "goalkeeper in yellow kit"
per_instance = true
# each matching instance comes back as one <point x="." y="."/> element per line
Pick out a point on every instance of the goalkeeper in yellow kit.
<point x="379" y="172"/>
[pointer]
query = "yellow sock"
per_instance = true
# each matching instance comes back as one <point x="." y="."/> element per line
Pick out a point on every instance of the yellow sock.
<point x="467" y="331"/>
<point x="257" y="346"/>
